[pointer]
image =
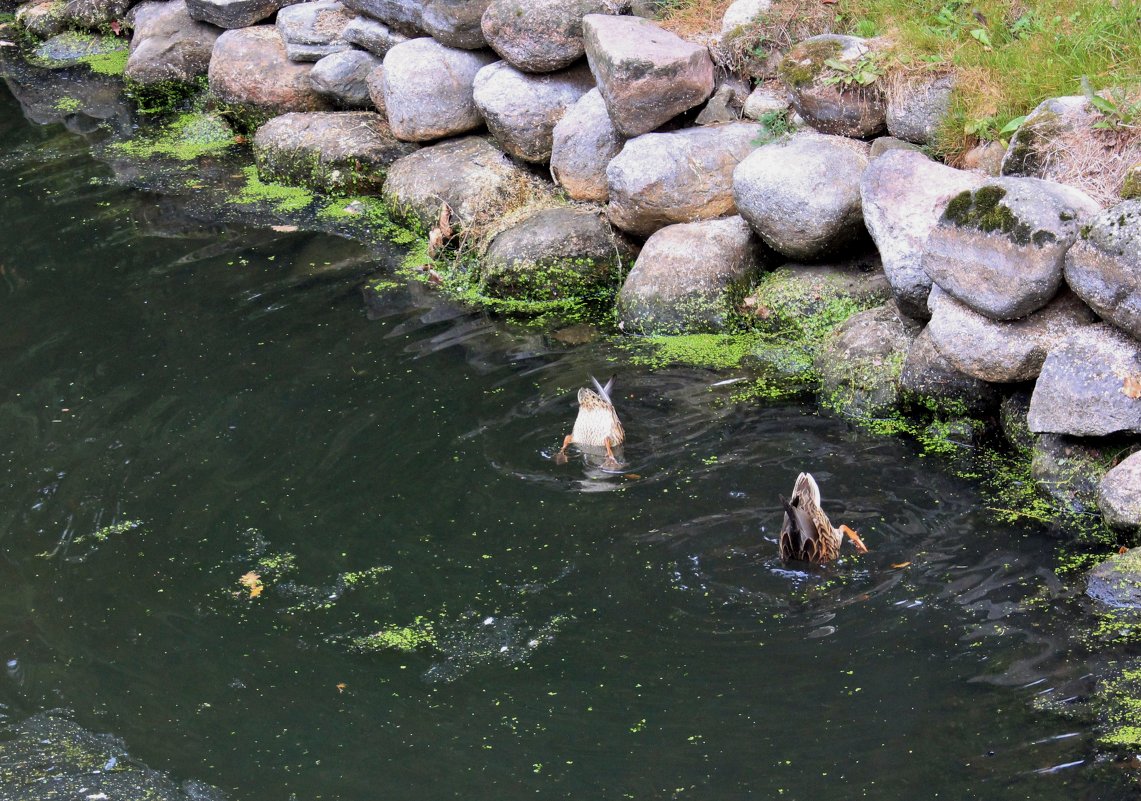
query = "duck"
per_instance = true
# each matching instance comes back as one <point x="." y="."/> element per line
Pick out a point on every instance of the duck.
<point x="597" y="427"/>
<point x="807" y="534"/>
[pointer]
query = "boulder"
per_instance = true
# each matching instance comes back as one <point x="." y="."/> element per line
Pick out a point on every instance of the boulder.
<point x="233" y="14"/>
<point x="405" y="16"/>
<point x="1001" y="352"/>
<point x="43" y="18"/>
<point x="373" y="36"/>
<point x="828" y="105"/>
<point x="1090" y="385"/>
<point x="521" y="109"/>
<point x="344" y="151"/>
<point x="249" y="67"/>
<point x="802" y="193"/>
<point x="1119" y="497"/>
<point x="743" y="13"/>
<point x="727" y="103"/>
<point x="1012" y="411"/>
<point x="374" y="81"/>
<point x="343" y="78"/>
<point x="428" y="89"/>
<point x="583" y="143"/>
<point x="930" y="381"/>
<point x="1068" y="470"/>
<point x="885" y="144"/>
<point x="1116" y="582"/>
<point x="1104" y="266"/>
<point x="1027" y="154"/>
<point x="914" y="111"/>
<point x="647" y="75"/>
<point x="665" y="178"/>
<point x="903" y="195"/>
<point x="1000" y="248"/>
<point x="762" y="101"/>
<point x="72" y="48"/>
<point x="469" y="174"/>
<point x="314" y="29"/>
<point x="456" y="23"/>
<point x="860" y="363"/>
<point x="686" y="277"/>
<point x="553" y="254"/>
<point x="540" y="35"/>
<point x="168" y="45"/>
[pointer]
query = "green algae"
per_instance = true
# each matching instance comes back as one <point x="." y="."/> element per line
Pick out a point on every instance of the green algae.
<point x="278" y="196"/>
<point x="186" y="138"/>
<point x="1117" y="701"/>
<point x="418" y="634"/>
<point x="104" y="55"/>
<point x="68" y="105"/>
<point x="711" y="351"/>
<point x="371" y="219"/>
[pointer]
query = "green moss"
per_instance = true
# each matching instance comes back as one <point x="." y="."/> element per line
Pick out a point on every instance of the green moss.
<point x="113" y="63"/>
<point x="281" y="198"/>
<point x="164" y="97"/>
<point x="712" y="351"/>
<point x="984" y="211"/>
<point x="186" y="138"/>
<point x="68" y="105"/>
<point x="1131" y="186"/>
<point x="106" y="55"/>
<point x="418" y="634"/>
<point x="370" y="219"/>
<point x="1117" y="701"/>
<point x="802" y="66"/>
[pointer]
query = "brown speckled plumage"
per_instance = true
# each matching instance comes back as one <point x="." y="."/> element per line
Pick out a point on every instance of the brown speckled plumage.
<point x="597" y="427"/>
<point x="807" y="534"/>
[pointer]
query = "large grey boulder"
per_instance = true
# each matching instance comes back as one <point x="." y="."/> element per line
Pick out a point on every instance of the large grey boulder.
<point x="930" y="381"/>
<point x="861" y="360"/>
<point x="915" y="110"/>
<point x="1030" y="152"/>
<point x="829" y="107"/>
<point x="406" y="16"/>
<point x="314" y="29"/>
<point x="1000" y="248"/>
<point x="686" y="277"/>
<point x="583" y="143"/>
<point x="1104" y="266"/>
<point x="342" y="151"/>
<point x="540" y="35"/>
<point x="647" y="75"/>
<point x="232" y="14"/>
<point x="1090" y="385"/>
<point x="743" y="13"/>
<point x="903" y="195"/>
<point x="249" y="67"/>
<point x="343" y="78"/>
<point x="764" y="101"/>
<point x="1119" y="496"/>
<point x="521" y="109"/>
<point x="665" y="178"/>
<point x="802" y="194"/>
<point x="374" y="82"/>
<point x="1116" y="582"/>
<point x="168" y="45"/>
<point x="1001" y="352"/>
<point x="554" y="254"/>
<point x="469" y="174"/>
<point x="456" y="23"/>
<point x="428" y="89"/>
<point x="373" y="35"/>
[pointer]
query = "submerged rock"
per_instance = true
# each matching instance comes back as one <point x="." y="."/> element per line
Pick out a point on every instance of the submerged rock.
<point x="1119" y="497"/>
<point x="428" y="89"/>
<point x="469" y="174"/>
<point x="1090" y="385"/>
<point x="583" y="143"/>
<point x="1000" y="248"/>
<point x="1117" y="581"/>
<point x="802" y="194"/>
<point x="521" y="110"/>
<point x="169" y="45"/>
<point x="861" y="361"/>
<point x="455" y="23"/>
<point x="1001" y="352"/>
<point x="686" y="276"/>
<point x="540" y="35"/>
<point x="342" y="151"/>
<point x="903" y="194"/>
<point x="553" y="254"/>
<point x="249" y="67"/>
<point x="1104" y="266"/>
<point x="70" y="49"/>
<point x="343" y="78"/>
<point x="914" y="112"/>
<point x="661" y="179"/>
<point x="832" y="107"/>
<point x="646" y="75"/>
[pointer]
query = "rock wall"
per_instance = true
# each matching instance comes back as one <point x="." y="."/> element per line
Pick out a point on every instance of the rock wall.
<point x="446" y="108"/>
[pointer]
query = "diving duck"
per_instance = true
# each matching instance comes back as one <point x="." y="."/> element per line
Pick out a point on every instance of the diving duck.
<point x="597" y="427"/>
<point x="807" y="535"/>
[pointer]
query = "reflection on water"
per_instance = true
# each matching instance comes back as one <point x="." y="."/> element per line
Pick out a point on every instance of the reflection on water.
<point x="191" y="413"/>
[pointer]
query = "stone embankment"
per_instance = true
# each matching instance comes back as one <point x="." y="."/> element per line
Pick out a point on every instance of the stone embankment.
<point x="602" y="136"/>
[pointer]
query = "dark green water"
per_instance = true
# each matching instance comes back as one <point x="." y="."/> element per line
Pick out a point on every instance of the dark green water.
<point x="594" y="637"/>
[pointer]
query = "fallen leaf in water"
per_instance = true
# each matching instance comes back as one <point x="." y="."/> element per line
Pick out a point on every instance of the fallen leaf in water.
<point x="283" y="229"/>
<point x="1131" y="386"/>
<point x="901" y="564"/>
<point x="631" y="476"/>
<point x="341" y="686"/>
<point x="252" y="582"/>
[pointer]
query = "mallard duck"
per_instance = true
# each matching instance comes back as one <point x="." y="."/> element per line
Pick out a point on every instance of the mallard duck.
<point x="597" y="427"/>
<point x="807" y="535"/>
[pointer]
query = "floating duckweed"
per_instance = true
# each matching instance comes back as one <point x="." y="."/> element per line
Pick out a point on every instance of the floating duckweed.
<point x="282" y="198"/>
<point x="398" y="638"/>
<point x="188" y="137"/>
<point x="372" y="218"/>
<point x="713" y="351"/>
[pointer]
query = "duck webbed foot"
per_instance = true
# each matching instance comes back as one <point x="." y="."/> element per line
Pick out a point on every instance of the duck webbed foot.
<point x="561" y="455"/>
<point x="855" y="538"/>
<point x="610" y="462"/>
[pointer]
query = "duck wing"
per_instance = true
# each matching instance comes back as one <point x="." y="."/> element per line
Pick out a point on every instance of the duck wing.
<point x="798" y="534"/>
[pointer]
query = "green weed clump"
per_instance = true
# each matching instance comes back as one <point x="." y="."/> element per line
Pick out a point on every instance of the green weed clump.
<point x="186" y="138"/>
<point x="281" y="197"/>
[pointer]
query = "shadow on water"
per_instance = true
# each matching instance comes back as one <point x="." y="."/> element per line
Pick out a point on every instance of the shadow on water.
<point x="305" y="547"/>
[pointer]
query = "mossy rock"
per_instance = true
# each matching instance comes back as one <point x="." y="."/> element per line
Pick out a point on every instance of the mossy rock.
<point x="1131" y="186"/>
<point x="1116" y="582"/>
<point x="103" y="54"/>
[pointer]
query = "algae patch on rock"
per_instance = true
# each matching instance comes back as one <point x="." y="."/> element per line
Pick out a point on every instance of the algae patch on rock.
<point x="187" y="138"/>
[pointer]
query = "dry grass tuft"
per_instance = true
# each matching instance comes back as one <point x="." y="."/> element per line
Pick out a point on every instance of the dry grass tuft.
<point x="1093" y="161"/>
<point x="524" y="195"/>
<point x="695" y="18"/>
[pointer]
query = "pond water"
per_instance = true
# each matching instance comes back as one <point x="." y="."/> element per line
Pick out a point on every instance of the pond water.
<point x="184" y="405"/>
